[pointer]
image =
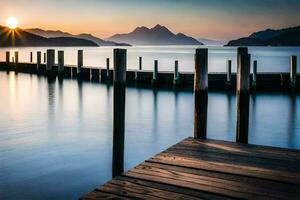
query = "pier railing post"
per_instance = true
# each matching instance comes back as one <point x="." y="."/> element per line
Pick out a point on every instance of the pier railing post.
<point x="293" y="71"/>
<point x="254" y="74"/>
<point x="200" y="93"/>
<point x="38" y="61"/>
<point x="16" y="57"/>
<point x="140" y="69"/>
<point x="140" y="63"/>
<point x="7" y="58"/>
<point x="176" y="73"/>
<point x="50" y="60"/>
<point x="242" y="95"/>
<point x="155" y="71"/>
<point x="79" y="61"/>
<point x="107" y="68"/>
<point x="119" y="110"/>
<point x="61" y="63"/>
<point x="45" y="57"/>
<point x="31" y="57"/>
<point x="228" y="72"/>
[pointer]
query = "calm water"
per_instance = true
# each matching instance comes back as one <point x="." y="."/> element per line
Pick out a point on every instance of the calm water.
<point x="270" y="59"/>
<point x="56" y="137"/>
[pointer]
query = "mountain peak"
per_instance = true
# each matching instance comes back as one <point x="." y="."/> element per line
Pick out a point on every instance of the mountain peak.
<point x="158" y="35"/>
<point x="159" y="27"/>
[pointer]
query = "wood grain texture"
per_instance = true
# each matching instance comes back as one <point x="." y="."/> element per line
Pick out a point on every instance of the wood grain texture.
<point x="209" y="169"/>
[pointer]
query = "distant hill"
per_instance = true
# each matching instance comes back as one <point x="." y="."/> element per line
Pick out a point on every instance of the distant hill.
<point x="21" y="38"/>
<point x="158" y="35"/>
<point x="269" y="37"/>
<point x="210" y="42"/>
<point x="51" y="34"/>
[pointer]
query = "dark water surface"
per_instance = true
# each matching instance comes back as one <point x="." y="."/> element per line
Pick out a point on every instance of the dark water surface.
<point x="56" y="137"/>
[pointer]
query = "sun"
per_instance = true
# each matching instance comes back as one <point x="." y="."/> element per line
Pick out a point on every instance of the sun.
<point x="12" y="22"/>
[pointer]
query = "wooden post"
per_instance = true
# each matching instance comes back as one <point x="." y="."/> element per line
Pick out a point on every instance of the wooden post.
<point x="7" y="57"/>
<point x="79" y="61"/>
<point x="254" y="73"/>
<point x="140" y="63"/>
<point x="31" y="57"/>
<point x="61" y="63"/>
<point x="200" y="93"/>
<point x="228" y="72"/>
<point x="44" y="57"/>
<point x="155" y="71"/>
<point x="140" y="69"/>
<point x="50" y="59"/>
<point x="38" y="60"/>
<point x="243" y="87"/>
<point x="107" y="68"/>
<point x="293" y="71"/>
<point x="16" y="57"/>
<point x="119" y="110"/>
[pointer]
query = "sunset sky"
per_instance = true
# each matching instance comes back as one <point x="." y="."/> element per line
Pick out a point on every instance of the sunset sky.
<point x="214" y="19"/>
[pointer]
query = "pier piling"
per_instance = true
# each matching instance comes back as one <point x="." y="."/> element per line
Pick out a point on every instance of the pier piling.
<point x="45" y="57"/>
<point x="16" y="57"/>
<point x="107" y="68"/>
<point x="31" y="57"/>
<point x="176" y="73"/>
<point x="228" y="72"/>
<point x="242" y="94"/>
<point x="79" y="61"/>
<point x="140" y="63"/>
<point x="7" y="57"/>
<point x="293" y="71"/>
<point x="155" y="71"/>
<point x="61" y="63"/>
<point x="50" y="60"/>
<point x="200" y="93"/>
<point x="254" y="74"/>
<point x="119" y="110"/>
<point x="38" y="61"/>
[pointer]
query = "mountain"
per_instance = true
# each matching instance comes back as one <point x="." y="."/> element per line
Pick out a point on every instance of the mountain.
<point x="210" y="42"/>
<point x="158" y="35"/>
<point x="269" y="37"/>
<point x="51" y="34"/>
<point x="21" y="38"/>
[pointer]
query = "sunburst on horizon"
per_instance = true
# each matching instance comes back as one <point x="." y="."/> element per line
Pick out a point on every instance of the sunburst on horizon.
<point x="12" y="22"/>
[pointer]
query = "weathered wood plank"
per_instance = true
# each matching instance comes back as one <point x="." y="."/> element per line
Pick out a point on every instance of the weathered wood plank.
<point x="174" y="189"/>
<point x="125" y="187"/>
<point x="210" y="169"/>
<point x="210" y="184"/>
<point x="232" y="168"/>
<point x="95" y="195"/>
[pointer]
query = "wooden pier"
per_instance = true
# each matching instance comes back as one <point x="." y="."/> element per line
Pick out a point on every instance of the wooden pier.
<point x="209" y="169"/>
<point x="201" y="168"/>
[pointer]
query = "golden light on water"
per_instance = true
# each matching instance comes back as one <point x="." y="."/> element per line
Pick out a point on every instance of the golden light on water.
<point x="12" y="22"/>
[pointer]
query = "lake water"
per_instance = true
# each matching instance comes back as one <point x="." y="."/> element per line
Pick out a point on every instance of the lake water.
<point x="56" y="137"/>
<point x="270" y="59"/>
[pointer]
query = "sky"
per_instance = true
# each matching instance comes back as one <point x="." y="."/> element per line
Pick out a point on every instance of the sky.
<point x="214" y="19"/>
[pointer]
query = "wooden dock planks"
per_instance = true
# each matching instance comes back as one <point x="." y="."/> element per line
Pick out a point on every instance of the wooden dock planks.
<point x="209" y="169"/>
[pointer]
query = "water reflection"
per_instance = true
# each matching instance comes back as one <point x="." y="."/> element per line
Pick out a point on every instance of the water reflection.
<point x="80" y="156"/>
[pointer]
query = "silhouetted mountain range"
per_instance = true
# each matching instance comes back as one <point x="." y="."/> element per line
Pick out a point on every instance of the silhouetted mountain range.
<point x="21" y="38"/>
<point x="52" y="34"/>
<point x="269" y="37"/>
<point x="158" y="35"/>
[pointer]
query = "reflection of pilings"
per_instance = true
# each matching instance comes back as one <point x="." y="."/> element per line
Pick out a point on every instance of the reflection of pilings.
<point x="79" y="83"/>
<point x="119" y="111"/>
<point x="229" y="107"/>
<point x="291" y="120"/>
<point x="155" y="116"/>
<point x="51" y="99"/>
